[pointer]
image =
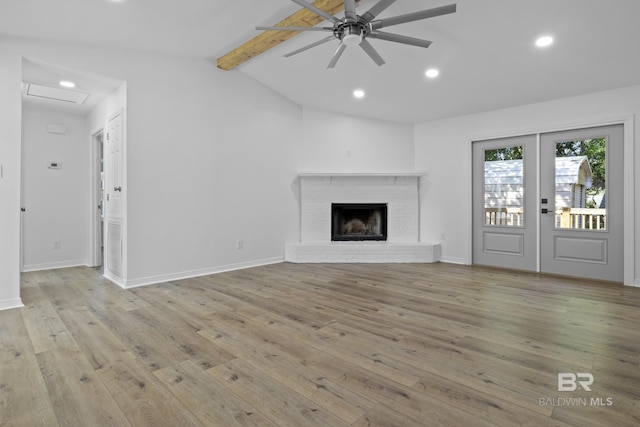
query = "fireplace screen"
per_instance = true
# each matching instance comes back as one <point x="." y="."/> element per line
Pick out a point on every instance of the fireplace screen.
<point x="358" y="221"/>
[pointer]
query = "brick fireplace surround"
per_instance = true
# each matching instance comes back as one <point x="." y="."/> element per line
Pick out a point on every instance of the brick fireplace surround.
<point x="400" y="192"/>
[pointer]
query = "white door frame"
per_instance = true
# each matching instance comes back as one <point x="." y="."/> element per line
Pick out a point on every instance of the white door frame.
<point x="629" y="185"/>
<point x="96" y="237"/>
<point x="22" y="205"/>
<point x="120" y="220"/>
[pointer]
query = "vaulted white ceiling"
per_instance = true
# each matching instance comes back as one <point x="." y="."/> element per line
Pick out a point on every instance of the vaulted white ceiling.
<point x="485" y="52"/>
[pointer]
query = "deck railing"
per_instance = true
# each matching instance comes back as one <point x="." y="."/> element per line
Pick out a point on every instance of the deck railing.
<point x="511" y="217"/>
<point x="576" y="218"/>
<point x="581" y="218"/>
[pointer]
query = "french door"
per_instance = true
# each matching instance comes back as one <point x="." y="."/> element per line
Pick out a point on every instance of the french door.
<point x="551" y="203"/>
<point x="581" y="233"/>
<point x="504" y="209"/>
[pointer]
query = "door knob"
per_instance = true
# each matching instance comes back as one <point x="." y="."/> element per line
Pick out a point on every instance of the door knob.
<point x="117" y="189"/>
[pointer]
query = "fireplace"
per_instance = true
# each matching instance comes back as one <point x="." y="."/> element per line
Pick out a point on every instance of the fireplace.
<point x="358" y="221"/>
<point x="391" y="233"/>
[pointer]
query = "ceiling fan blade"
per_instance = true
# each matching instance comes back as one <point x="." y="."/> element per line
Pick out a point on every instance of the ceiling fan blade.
<point x="318" y="43"/>
<point x="400" y="39"/>
<point x="295" y="28"/>
<point x="376" y="10"/>
<point x="415" y="16"/>
<point x="337" y="55"/>
<point x="317" y="11"/>
<point x="373" y="54"/>
<point x="350" y="10"/>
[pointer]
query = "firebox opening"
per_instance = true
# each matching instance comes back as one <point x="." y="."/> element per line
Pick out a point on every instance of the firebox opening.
<point x="358" y="221"/>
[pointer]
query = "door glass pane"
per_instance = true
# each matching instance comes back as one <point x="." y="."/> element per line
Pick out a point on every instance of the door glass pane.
<point x="504" y="187"/>
<point x="580" y="185"/>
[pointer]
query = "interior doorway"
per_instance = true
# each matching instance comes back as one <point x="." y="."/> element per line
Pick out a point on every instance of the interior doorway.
<point x="65" y="226"/>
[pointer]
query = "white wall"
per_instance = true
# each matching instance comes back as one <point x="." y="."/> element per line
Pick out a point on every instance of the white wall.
<point x="210" y="161"/>
<point x="10" y="111"/>
<point x="56" y="200"/>
<point x="338" y="143"/>
<point x="443" y="149"/>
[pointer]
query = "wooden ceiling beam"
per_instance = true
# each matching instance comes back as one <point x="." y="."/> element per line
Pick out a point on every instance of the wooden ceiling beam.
<point x="268" y="39"/>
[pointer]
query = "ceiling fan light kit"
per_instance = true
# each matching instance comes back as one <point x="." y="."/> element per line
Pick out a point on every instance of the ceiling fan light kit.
<point x="351" y="35"/>
<point x="354" y="29"/>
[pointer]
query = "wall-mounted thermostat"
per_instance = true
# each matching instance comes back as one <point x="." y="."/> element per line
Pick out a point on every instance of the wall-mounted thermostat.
<point x="54" y="165"/>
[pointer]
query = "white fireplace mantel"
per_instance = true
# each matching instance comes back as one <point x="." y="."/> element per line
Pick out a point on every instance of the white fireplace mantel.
<point x="358" y="174"/>
<point x="328" y="176"/>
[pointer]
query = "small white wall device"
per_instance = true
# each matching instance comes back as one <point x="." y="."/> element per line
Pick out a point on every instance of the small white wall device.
<point x="55" y="128"/>
<point x="54" y="165"/>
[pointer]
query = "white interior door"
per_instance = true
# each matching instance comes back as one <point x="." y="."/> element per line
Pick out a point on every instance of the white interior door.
<point x="115" y="162"/>
<point x="504" y="202"/>
<point x="114" y="183"/>
<point x="581" y="229"/>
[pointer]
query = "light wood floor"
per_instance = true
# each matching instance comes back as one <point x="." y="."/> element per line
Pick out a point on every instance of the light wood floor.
<point x="321" y="345"/>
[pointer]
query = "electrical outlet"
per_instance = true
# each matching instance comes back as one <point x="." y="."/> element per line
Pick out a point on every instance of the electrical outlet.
<point x="239" y="244"/>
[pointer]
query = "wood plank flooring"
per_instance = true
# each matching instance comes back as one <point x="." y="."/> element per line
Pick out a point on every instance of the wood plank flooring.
<point x="321" y="345"/>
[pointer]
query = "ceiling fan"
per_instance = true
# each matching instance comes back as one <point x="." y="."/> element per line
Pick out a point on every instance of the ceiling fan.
<point x="354" y="29"/>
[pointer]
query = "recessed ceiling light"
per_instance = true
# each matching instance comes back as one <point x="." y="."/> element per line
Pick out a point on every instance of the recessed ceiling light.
<point x="432" y="73"/>
<point x="358" y="93"/>
<point x="66" y="83"/>
<point x="544" y="41"/>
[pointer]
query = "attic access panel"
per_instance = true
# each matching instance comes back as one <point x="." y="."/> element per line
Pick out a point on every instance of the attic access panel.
<point x="54" y="93"/>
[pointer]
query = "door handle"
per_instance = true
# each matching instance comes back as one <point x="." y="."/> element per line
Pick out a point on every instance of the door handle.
<point x="117" y="189"/>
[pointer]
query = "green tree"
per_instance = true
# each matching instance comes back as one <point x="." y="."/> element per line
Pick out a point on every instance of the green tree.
<point x="506" y="153"/>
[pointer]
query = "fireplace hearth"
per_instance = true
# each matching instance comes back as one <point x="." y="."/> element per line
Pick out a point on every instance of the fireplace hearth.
<point x="358" y="221"/>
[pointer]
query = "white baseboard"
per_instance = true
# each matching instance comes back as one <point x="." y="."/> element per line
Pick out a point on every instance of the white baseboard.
<point x="54" y="265"/>
<point x="11" y="303"/>
<point x="145" y="281"/>
<point x="115" y="279"/>
<point x="453" y="260"/>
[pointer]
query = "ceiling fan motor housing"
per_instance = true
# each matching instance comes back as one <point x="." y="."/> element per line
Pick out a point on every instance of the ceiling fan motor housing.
<point x="351" y="33"/>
